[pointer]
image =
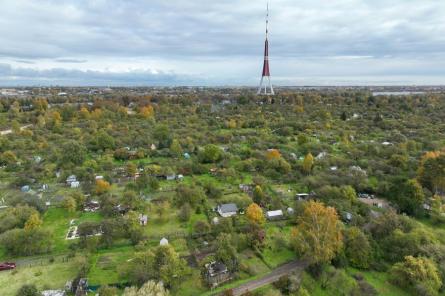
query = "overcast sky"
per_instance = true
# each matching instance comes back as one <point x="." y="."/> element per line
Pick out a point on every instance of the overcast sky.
<point x="206" y="42"/>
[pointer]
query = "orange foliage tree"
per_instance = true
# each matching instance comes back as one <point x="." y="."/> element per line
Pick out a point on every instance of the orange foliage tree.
<point x="147" y="111"/>
<point x="102" y="187"/>
<point x="255" y="214"/>
<point x="273" y="154"/>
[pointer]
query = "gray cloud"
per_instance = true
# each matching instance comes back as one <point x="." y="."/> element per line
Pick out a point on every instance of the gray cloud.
<point x="71" y="61"/>
<point x="221" y="41"/>
<point x="60" y="76"/>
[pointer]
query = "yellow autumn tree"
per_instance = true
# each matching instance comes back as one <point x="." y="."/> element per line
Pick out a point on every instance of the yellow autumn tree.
<point x="84" y="113"/>
<point x="231" y="123"/>
<point x="96" y="114"/>
<point x="33" y="222"/>
<point x="318" y="236"/>
<point x="69" y="204"/>
<point x="255" y="214"/>
<point x="102" y="187"/>
<point x="147" y="111"/>
<point x="56" y="118"/>
<point x="308" y="163"/>
<point x="273" y="154"/>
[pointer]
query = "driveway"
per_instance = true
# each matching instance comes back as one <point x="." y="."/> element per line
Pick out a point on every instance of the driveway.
<point x="286" y="269"/>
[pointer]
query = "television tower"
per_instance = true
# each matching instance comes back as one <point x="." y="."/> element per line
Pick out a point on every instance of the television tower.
<point x="266" y="88"/>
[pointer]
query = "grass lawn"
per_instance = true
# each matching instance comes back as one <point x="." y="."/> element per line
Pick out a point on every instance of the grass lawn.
<point x="57" y="220"/>
<point x="168" y="226"/>
<point x="52" y="276"/>
<point x="195" y="218"/>
<point x="276" y="258"/>
<point x="273" y="254"/>
<point x="105" y="265"/>
<point x="254" y="263"/>
<point x="191" y="286"/>
<point x="379" y="280"/>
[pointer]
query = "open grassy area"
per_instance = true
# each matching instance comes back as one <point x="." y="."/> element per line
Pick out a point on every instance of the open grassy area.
<point x="105" y="265"/>
<point x="380" y="281"/>
<point x="49" y="276"/>
<point x="57" y="220"/>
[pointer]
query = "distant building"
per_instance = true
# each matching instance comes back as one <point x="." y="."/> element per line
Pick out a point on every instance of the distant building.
<point x="302" y="196"/>
<point x="82" y="287"/>
<point x="143" y="219"/>
<point x="25" y="188"/>
<point x="227" y="210"/>
<point x="321" y="156"/>
<point x="53" y="293"/>
<point x="216" y="273"/>
<point x="246" y="188"/>
<point x="163" y="242"/>
<point x="275" y="215"/>
<point x="170" y="177"/>
<point x="91" y="206"/>
<point x="71" y="179"/>
<point x="347" y="217"/>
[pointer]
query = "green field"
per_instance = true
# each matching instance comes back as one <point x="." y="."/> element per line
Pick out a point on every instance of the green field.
<point x="44" y="276"/>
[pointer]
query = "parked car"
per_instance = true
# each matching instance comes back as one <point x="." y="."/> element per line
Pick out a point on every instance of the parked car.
<point x="7" y="266"/>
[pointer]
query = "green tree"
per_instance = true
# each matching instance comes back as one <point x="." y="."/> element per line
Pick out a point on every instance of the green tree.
<point x="226" y="252"/>
<point x="185" y="212"/>
<point x="308" y="163"/>
<point x="409" y="196"/>
<point x="163" y="136"/>
<point x="131" y="169"/>
<point x="33" y="222"/>
<point x="210" y="154"/>
<point x="417" y="274"/>
<point x="150" y="288"/>
<point x="28" y="290"/>
<point x="20" y="242"/>
<point x="437" y="210"/>
<point x="192" y="195"/>
<point x="431" y="172"/>
<point x="108" y="291"/>
<point x="348" y="193"/>
<point x="258" y="195"/>
<point x="79" y="199"/>
<point x="69" y="204"/>
<point x="160" y="264"/>
<point x="73" y="152"/>
<point x="104" y="140"/>
<point x="175" y="148"/>
<point x="357" y="247"/>
<point x="8" y="158"/>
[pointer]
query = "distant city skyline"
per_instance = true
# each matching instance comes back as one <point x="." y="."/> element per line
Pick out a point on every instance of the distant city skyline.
<point x="215" y="43"/>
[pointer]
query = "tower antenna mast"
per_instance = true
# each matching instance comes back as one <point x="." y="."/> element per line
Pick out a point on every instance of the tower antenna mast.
<point x="266" y="87"/>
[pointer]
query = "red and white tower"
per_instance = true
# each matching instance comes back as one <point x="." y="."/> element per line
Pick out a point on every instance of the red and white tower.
<point x="266" y="87"/>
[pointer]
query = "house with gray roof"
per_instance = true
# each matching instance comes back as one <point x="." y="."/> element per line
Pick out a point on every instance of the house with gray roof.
<point x="227" y="210"/>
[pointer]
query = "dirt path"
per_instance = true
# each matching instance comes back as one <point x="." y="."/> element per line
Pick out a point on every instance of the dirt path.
<point x="9" y="131"/>
<point x="286" y="269"/>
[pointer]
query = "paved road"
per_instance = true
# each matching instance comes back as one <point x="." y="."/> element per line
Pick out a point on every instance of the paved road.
<point x="286" y="269"/>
